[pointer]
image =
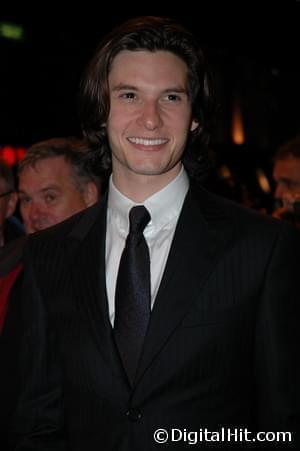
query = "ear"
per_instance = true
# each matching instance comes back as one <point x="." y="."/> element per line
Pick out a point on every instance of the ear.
<point x="91" y="194"/>
<point x="194" y="125"/>
<point x="11" y="204"/>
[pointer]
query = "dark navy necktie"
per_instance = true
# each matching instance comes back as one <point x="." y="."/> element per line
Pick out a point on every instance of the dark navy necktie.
<point x="133" y="293"/>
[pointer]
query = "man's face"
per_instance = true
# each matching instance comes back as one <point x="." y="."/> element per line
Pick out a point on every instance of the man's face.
<point x="48" y="194"/>
<point x="150" y="115"/>
<point x="286" y="174"/>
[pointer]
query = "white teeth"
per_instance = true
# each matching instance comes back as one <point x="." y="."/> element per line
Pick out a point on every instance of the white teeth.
<point x="147" y="141"/>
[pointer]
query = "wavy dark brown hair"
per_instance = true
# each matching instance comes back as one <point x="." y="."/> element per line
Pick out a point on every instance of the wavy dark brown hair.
<point x="151" y="34"/>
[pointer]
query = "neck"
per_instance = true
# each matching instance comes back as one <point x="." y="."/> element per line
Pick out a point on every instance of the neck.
<point x="138" y="187"/>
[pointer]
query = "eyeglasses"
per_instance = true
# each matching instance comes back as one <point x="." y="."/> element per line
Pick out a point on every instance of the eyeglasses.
<point x="6" y="193"/>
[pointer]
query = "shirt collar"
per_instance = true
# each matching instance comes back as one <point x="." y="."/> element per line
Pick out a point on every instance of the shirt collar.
<point x="163" y="206"/>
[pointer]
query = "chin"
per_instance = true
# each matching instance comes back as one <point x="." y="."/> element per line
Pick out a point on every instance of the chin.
<point x="149" y="169"/>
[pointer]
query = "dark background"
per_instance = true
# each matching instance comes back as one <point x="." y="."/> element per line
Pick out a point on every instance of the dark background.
<point x="253" y="51"/>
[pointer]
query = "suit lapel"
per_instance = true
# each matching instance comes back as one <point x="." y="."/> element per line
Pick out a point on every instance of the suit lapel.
<point x="87" y="257"/>
<point x="201" y="234"/>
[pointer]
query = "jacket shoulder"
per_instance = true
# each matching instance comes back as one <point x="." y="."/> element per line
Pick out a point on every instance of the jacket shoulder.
<point x="244" y="220"/>
<point x="54" y="239"/>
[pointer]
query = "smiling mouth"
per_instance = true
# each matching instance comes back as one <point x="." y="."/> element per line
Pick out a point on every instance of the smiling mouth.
<point x="148" y="142"/>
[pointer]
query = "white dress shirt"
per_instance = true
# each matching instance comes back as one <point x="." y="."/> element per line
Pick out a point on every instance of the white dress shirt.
<point x="164" y="208"/>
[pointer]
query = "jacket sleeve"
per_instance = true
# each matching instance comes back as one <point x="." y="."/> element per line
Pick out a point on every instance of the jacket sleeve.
<point x="278" y="339"/>
<point x="39" y="419"/>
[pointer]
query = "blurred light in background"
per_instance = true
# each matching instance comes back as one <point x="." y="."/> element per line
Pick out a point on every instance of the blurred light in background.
<point x="263" y="181"/>
<point x="11" y="31"/>
<point x="12" y="155"/>
<point x="226" y="174"/>
<point x="238" y="132"/>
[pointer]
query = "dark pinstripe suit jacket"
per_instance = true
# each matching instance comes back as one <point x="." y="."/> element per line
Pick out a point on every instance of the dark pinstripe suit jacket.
<point x="222" y="348"/>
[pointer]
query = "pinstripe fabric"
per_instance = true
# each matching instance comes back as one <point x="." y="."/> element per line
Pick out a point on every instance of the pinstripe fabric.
<point x="221" y="348"/>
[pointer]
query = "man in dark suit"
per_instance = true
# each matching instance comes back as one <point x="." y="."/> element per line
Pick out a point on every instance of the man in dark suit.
<point x="219" y="353"/>
<point x="54" y="183"/>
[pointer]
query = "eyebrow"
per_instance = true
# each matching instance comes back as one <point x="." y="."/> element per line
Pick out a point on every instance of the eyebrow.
<point x="6" y="193"/>
<point x="287" y="181"/>
<point x="43" y="190"/>
<point x="121" y="87"/>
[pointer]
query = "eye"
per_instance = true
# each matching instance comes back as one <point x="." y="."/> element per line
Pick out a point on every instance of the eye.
<point x="294" y="185"/>
<point x="129" y="96"/>
<point x="24" y="200"/>
<point x="173" y="98"/>
<point x="50" y="198"/>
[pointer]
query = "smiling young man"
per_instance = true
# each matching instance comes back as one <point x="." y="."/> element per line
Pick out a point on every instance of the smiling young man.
<point x="149" y="121"/>
<point x="210" y="340"/>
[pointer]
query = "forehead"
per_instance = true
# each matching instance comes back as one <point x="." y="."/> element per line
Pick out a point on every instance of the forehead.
<point x="144" y="66"/>
<point x="288" y="168"/>
<point x="52" y="169"/>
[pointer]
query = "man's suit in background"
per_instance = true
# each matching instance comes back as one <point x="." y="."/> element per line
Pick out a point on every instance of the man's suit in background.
<point x="10" y="333"/>
<point x="222" y="348"/>
<point x="12" y="229"/>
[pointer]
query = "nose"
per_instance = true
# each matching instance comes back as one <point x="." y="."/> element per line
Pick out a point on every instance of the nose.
<point x="150" y="116"/>
<point x="35" y="216"/>
<point x="34" y="210"/>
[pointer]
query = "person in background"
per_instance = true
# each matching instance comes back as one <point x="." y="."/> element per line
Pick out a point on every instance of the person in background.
<point x="11" y="232"/>
<point x="163" y="310"/>
<point x="10" y="228"/>
<point x="286" y="173"/>
<point x="55" y="182"/>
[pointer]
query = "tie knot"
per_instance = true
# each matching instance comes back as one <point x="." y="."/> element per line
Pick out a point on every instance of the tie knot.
<point x="138" y="219"/>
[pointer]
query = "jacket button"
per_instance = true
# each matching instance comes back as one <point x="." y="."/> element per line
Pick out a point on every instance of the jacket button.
<point x="134" y="414"/>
